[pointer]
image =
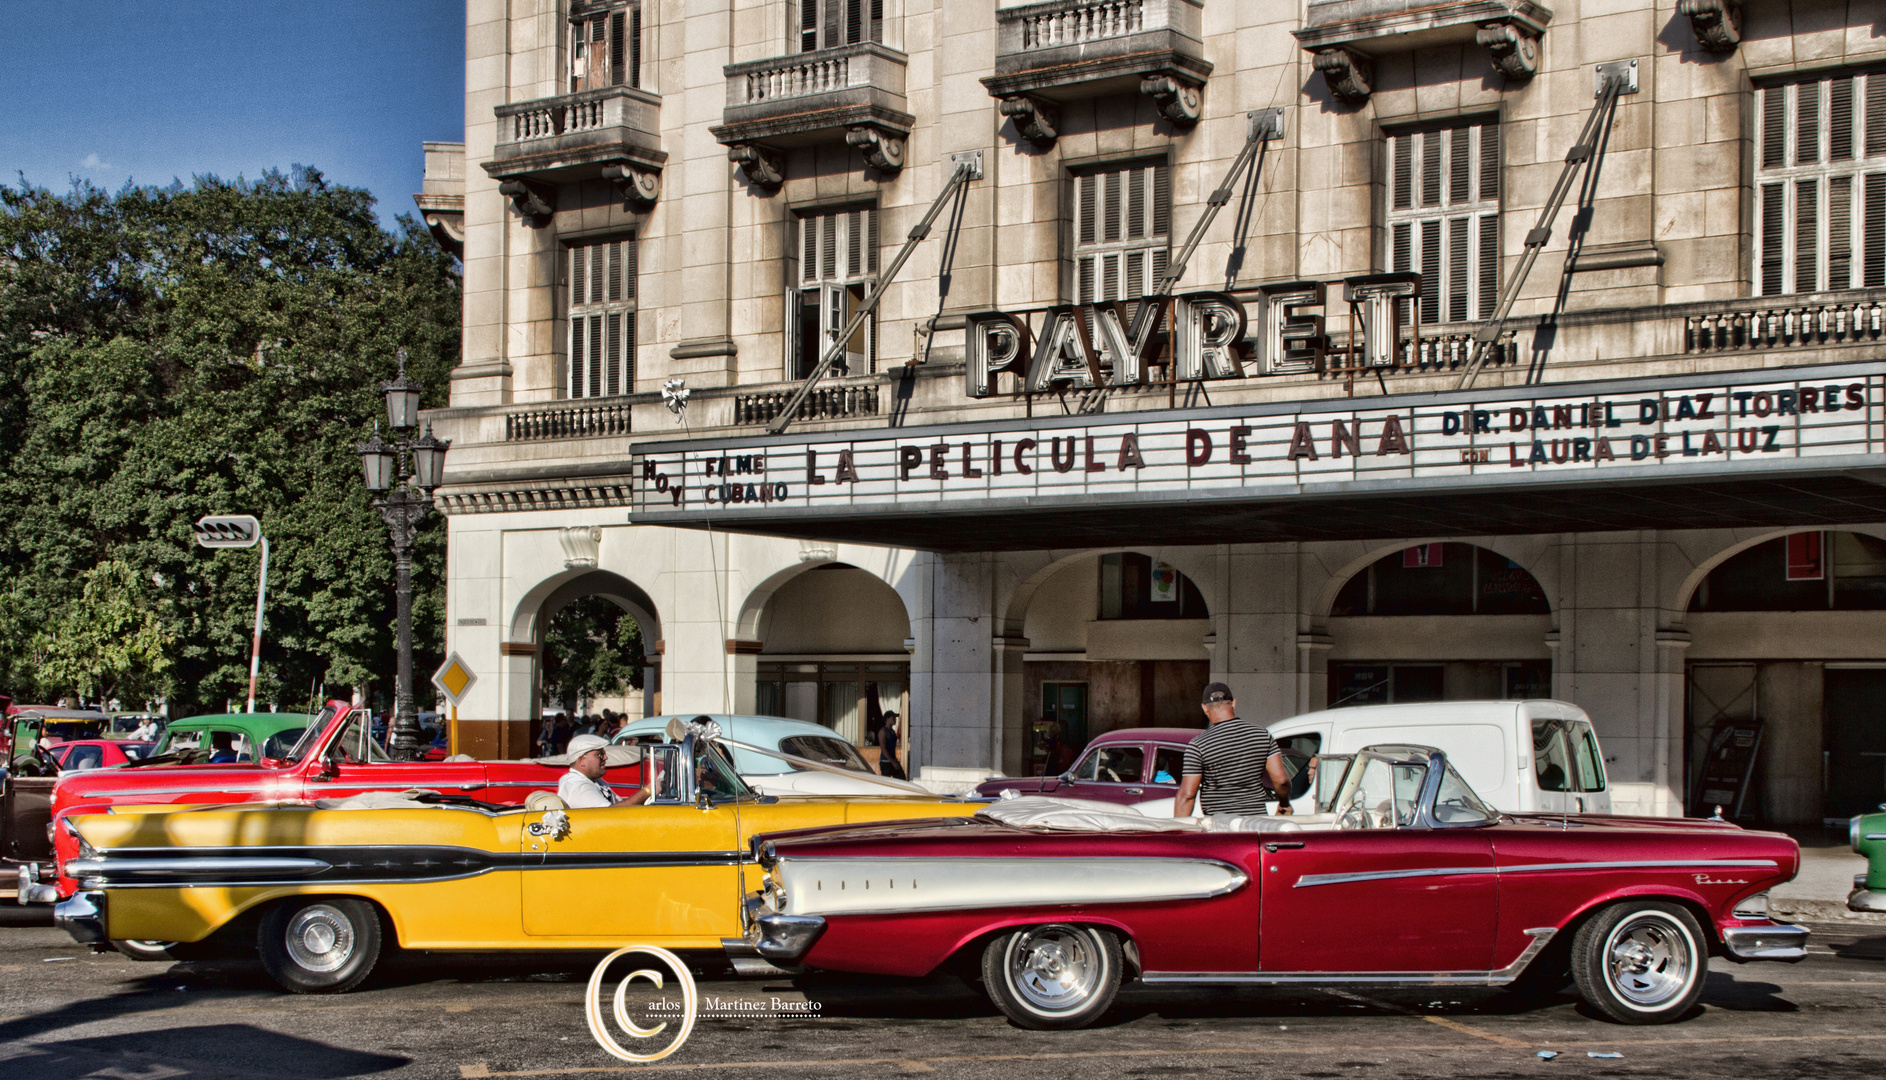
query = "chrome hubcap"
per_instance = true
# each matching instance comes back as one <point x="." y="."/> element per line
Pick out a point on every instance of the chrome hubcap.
<point x="320" y="938"/>
<point x="1055" y="968"/>
<point x="1648" y="960"/>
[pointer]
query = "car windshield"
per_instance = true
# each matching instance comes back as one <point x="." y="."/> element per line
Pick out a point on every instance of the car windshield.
<point x="715" y="775"/>
<point x="1457" y="804"/>
<point x="1381" y="789"/>
<point x="1330" y="769"/>
<point x="355" y="744"/>
<point x="311" y="735"/>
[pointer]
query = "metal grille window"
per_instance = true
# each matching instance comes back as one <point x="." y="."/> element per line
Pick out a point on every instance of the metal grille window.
<point x="1444" y="217"/>
<point x="605" y="46"/>
<point x="602" y="319"/>
<point x="1122" y="227"/>
<point x="1820" y="185"/>
<point x="827" y="24"/>
<point x="838" y="265"/>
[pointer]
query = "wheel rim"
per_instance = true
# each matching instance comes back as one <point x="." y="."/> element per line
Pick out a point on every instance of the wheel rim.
<point x="320" y="938"/>
<point x="1648" y="960"/>
<point x="1055" y="969"/>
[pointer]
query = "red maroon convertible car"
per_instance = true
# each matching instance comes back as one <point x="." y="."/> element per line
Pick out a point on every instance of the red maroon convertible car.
<point x="336" y="756"/>
<point x="1407" y="878"/>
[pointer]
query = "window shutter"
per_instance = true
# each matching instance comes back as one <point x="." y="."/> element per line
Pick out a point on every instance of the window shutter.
<point x="877" y="34"/>
<point x="808" y="25"/>
<point x="1430" y="168"/>
<point x="1876" y="114"/>
<point x="1403" y="248"/>
<point x="1459" y="165"/>
<point x="1136" y="204"/>
<point x="615" y="270"/>
<point x="1489" y="161"/>
<point x="579" y="259"/>
<point x="834" y="33"/>
<point x="1110" y="205"/>
<point x="595" y="356"/>
<point x="635" y="46"/>
<point x="808" y="250"/>
<point x="1806" y="235"/>
<point x="618" y="68"/>
<point x="1401" y="167"/>
<point x="1774" y="126"/>
<point x="854" y="243"/>
<point x="1162" y="201"/>
<point x="1840" y="232"/>
<point x="628" y="352"/>
<point x="1457" y="269"/>
<point x="828" y="247"/>
<point x="1840" y="120"/>
<point x="1430" y="271"/>
<point x="871" y="240"/>
<point x="1489" y="263"/>
<point x="1873" y="231"/>
<point x="1160" y="257"/>
<point x="1089" y="202"/>
<point x="576" y="357"/>
<point x="1773" y="221"/>
<point x="1084" y="289"/>
<point x="628" y="269"/>
<point x="1807" y="123"/>
<point x="854" y="21"/>
<point x="613" y="365"/>
<point x="597" y="281"/>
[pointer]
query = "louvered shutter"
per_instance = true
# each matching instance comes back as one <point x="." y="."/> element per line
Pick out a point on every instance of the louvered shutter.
<point x="1822" y="148"/>
<point x="1873" y="230"/>
<point x="602" y="319"/>
<point x="618" y="48"/>
<point x="1122" y="221"/>
<point x="1443" y="219"/>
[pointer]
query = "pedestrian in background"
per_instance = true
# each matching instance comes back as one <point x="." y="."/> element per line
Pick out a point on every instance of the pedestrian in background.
<point x="1234" y="768"/>
<point x="888" y="765"/>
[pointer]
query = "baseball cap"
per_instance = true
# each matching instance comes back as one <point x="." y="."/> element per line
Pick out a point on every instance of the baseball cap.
<point x="1216" y="692"/>
<point x="583" y="744"/>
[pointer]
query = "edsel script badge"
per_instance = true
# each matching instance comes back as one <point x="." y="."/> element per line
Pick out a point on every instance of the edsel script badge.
<point x="1705" y="879"/>
<point x="592" y="1004"/>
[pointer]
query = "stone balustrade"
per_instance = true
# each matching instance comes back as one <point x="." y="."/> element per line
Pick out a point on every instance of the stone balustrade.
<point x="827" y="71"/>
<point x="573" y="114"/>
<point x="1787" y="322"/>
<point x="830" y="402"/>
<point x="564" y="420"/>
<point x="1077" y="23"/>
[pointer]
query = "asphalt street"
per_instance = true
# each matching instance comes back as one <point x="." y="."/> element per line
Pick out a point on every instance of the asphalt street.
<point x="68" y="1012"/>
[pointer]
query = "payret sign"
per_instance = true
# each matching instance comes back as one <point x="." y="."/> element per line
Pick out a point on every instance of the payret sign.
<point x="1633" y="429"/>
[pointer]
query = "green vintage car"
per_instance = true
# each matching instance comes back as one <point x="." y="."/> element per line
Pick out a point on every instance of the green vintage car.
<point x="1867" y="832"/>
<point x="193" y="740"/>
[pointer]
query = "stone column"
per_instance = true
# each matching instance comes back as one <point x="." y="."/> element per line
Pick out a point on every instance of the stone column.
<point x="1668" y="696"/>
<point x="1010" y="729"/>
<point x="952" y="667"/>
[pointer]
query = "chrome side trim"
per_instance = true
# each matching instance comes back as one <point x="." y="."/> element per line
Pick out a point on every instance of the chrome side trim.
<point x="1541" y="937"/>
<point x="824" y="885"/>
<point x="133" y="792"/>
<point x="187" y="867"/>
<point x="1312" y="880"/>
<point x="1787" y="944"/>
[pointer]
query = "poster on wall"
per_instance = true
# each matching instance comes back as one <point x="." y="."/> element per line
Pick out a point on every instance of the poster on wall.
<point x="1165" y="584"/>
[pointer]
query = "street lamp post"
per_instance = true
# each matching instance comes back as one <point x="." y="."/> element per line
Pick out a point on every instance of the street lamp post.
<point x="403" y="504"/>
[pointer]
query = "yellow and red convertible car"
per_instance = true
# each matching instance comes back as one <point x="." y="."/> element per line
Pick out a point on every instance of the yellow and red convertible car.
<point x="317" y="889"/>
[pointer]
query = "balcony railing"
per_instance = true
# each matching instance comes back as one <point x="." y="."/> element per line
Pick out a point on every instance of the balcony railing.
<point x="566" y="422"/>
<point x="824" y="403"/>
<point x="1778" y="323"/>
<point x="576" y="136"/>
<point x="1076" y="24"/>
<point x="827" y="71"/>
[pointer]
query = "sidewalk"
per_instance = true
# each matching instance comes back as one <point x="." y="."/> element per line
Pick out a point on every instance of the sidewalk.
<point x="1819" y="892"/>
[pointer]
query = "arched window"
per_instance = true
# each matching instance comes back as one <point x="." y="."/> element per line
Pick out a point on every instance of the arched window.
<point x="1442" y="579"/>
<point x="1804" y="571"/>
<point x="1133" y="586"/>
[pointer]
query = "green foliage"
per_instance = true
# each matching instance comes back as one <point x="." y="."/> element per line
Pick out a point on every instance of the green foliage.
<point x="170" y="353"/>
<point x="592" y="648"/>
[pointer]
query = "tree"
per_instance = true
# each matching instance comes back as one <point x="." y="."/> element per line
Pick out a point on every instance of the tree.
<point x="169" y="353"/>
<point x="113" y="641"/>
<point x="592" y="648"/>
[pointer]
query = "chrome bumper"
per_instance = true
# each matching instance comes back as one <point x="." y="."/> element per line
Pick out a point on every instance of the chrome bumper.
<point x="786" y="938"/>
<point x="31" y="890"/>
<point x="83" y="917"/>
<point x="1775" y="942"/>
<point x="1863" y="898"/>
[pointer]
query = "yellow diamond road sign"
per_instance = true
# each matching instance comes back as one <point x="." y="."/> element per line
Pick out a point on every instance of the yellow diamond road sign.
<point x="453" y="678"/>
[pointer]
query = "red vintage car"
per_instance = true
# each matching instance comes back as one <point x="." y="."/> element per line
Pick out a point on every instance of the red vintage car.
<point x="336" y="756"/>
<point x="1406" y="879"/>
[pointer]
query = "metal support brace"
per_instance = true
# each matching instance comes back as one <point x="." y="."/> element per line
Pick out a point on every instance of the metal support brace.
<point x="1266" y="124"/>
<point x="1613" y="80"/>
<point x="965" y="167"/>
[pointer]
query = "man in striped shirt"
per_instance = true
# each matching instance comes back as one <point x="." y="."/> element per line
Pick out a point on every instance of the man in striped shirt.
<point x="1234" y="768"/>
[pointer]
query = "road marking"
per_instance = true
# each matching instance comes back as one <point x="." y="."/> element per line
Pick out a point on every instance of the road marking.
<point x="1468" y="1029"/>
<point x="481" y="1070"/>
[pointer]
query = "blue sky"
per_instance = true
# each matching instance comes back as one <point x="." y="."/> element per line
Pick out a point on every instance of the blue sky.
<point x="155" y="90"/>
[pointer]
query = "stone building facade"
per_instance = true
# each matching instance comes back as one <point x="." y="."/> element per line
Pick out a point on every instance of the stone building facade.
<point x="659" y="197"/>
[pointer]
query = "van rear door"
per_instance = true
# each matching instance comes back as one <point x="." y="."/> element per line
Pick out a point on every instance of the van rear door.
<point x="1567" y="764"/>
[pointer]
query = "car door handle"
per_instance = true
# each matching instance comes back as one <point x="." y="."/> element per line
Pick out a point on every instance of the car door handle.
<point x="1275" y="846"/>
<point x="1135" y="791"/>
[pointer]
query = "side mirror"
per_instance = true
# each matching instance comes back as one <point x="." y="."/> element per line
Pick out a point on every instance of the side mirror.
<point x="327" y="771"/>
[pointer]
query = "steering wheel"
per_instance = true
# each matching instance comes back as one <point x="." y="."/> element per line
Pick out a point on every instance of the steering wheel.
<point x="1111" y="775"/>
<point x="1356" y="817"/>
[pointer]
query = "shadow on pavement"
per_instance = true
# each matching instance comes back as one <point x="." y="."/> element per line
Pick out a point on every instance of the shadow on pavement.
<point x="1725" y="991"/>
<point x="208" y="1053"/>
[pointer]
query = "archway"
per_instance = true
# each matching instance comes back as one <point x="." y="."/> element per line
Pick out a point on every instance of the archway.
<point x="829" y="648"/>
<point x="538" y="614"/>
<point x="1437" y="622"/>
<point x="1114" y="640"/>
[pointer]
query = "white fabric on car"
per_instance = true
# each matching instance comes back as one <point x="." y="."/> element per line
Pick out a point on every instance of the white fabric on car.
<point x="376" y="800"/>
<point x="1251" y="823"/>
<point x="1080" y="815"/>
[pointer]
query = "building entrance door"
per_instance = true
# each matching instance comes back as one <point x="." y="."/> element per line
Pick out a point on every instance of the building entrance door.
<point x="1855" y="736"/>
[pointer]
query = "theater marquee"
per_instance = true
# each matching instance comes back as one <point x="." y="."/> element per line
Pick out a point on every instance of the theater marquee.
<point x="1627" y="430"/>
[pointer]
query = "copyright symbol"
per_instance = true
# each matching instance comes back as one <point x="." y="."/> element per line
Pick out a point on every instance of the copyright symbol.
<point x="592" y="1003"/>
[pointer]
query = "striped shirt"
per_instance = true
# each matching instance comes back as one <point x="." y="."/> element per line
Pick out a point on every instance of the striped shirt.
<point x="1230" y="756"/>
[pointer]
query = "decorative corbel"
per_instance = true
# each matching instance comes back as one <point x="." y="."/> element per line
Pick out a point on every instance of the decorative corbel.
<point x="764" y="168"/>
<point x="1035" y="119"/>
<point x="882" y="150"/>
<point x="1177" y="101"/>
<point x="1717" y="24"/>
<point x="1515" y="53"/>
<point x="638" y="185"/>
<point x="1348" y="75"/>
<point x="535" y="202"/>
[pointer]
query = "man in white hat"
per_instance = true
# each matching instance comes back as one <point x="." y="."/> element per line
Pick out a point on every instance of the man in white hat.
<point x="582" y="787"/>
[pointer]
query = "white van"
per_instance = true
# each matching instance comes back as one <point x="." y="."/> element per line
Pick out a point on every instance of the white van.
<point x="1520" y="756"/>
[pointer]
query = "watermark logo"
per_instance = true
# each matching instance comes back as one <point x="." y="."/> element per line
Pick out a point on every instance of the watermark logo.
<point x="592" y="1004"/>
